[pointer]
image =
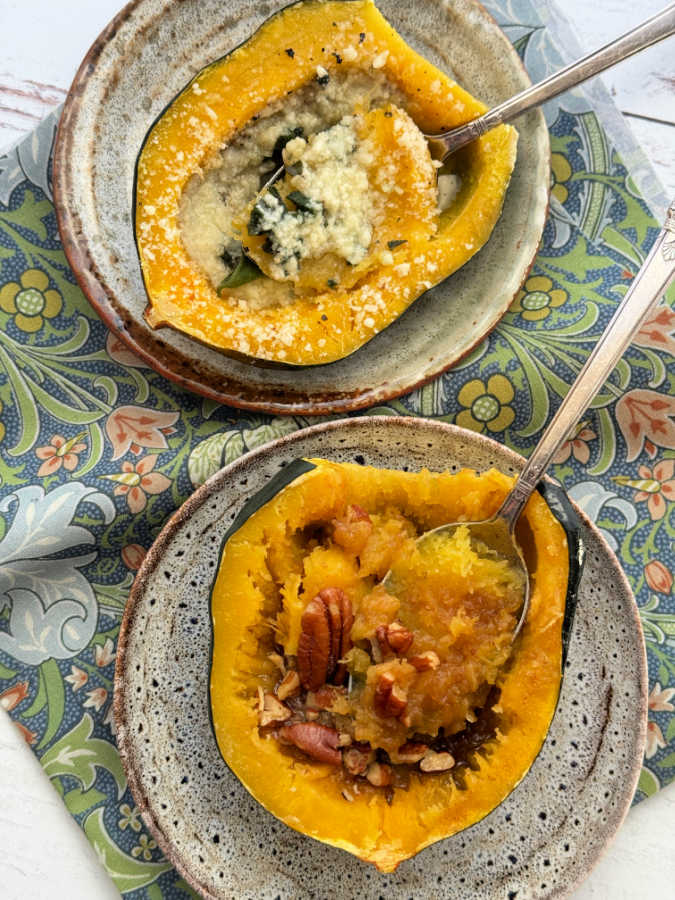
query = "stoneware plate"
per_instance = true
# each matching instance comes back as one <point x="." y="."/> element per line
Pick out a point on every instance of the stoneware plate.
<point x="540" y="842"/>
<point x="136" y="67"/>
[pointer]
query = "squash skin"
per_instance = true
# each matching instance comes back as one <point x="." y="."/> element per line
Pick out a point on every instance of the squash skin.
<point x="333" y="324"/>
<point x="306" y="795"/>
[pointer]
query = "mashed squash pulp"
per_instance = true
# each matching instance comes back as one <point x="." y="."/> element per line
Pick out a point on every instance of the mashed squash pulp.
<point x="390" y="718"/>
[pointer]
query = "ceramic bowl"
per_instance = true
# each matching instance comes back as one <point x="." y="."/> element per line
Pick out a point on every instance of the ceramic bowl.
<point x="540" y="842"/>
<point x="137" y="66"/>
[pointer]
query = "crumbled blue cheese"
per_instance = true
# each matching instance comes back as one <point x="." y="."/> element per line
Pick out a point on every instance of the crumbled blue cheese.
<point x="334" y="181"/>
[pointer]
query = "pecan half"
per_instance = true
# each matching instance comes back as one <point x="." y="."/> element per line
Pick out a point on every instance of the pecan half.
<point x="393" y="639"/>
<point x="357" y="758"/>
<point x="390" y="700"/>
<point x="270" y="710"/>
<point x="425" y="661"/>
<point x="437" y="762"/>
<point x="326" y="626"/>
<point x="351" y="531"/>
<point x="379" y="774"/>
<point x="317" y="741"/>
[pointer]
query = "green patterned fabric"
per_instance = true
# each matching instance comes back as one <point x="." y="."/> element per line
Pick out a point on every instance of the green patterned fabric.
<point x="97" y="450"/>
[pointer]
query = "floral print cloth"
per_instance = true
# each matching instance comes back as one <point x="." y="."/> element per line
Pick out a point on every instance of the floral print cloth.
<point x="97" y="450"/>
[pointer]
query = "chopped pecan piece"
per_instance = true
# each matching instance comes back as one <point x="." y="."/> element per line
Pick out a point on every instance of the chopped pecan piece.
<point x="410" y="753"/>
<point x="390" y="700"/>
<point x="425" y="661"/>
<point x="437" y="762"/>
<point x="278" y="661"/>
<point x="289" y="685"/>
<point x="344" y="739"/>
<point x="357" y="758"/>
<point x="351" y="531"/>
<point x="270" y="710"/>
<point x="379" y="774"/>
<point x="399" y="638"/>
<point x="317" y="741"/>
<point x="393" y="639"/>
<point x="324" y="638"/>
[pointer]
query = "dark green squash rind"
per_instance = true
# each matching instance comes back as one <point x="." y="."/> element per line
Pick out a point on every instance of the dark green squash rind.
<point x="561" y="507"/>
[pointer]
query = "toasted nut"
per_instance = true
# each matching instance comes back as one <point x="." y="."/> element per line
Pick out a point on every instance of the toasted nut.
<point x="425" y="661"/>
<point x="437" y="762"/>
<point x="357" y="758"/>
<point x="399" y="638"/>
<point x="348" y="797"/>
<point x="289" y="686"/>
<point x="311" y="715"/>
<point x="344" y="739"/>
<point x="325" y="638"/>
<point x="410" y="753"/>
<point x="278" y="661"/>
<point x="314" y="645"/>
<point x="381" y="635"/>
<point x="351" y="531"/>
<point x="379" y="774"/>
<point x="272" y="711"/>
<point x="390" y="700"/>
<point x="317" y="741"/>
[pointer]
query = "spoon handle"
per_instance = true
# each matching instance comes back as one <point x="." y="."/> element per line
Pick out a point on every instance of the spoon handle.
<point x="660" y="26"/>
<point x="656" y="273"/>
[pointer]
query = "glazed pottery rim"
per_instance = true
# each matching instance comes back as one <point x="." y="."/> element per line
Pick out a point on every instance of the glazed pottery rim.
<point x="77" y="249"/>
<point x="227" y="474"/>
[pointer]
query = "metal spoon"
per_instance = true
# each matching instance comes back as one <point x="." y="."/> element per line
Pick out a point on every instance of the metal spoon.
<point x="651" y="31"/>
<point x="648" y="286"/>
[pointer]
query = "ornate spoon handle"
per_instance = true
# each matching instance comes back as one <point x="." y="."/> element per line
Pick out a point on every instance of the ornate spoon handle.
<point x="655" y="29"/>
<point x="648" y="286"/>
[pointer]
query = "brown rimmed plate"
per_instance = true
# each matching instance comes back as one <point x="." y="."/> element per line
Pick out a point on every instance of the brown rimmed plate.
<point x="540" y="842"/>
<point x="135" y="68"/>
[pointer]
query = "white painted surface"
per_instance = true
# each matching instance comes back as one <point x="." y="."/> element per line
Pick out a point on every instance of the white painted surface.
<point x="43" y="853"/>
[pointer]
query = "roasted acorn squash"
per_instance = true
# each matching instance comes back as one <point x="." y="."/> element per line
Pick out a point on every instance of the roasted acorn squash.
<point x="303" y="43"/>
<point x="262" y="570"/>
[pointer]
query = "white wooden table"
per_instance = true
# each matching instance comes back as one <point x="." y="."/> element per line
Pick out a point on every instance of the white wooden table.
<point x="43" y="854"/>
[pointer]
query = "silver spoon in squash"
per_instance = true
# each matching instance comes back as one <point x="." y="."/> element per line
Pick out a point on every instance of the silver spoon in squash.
<point x="496" y="536"/>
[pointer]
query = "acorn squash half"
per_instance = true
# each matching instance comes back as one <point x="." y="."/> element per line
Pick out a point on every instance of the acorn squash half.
<point x="303" y="43"/>
<point x="264" y="570"/>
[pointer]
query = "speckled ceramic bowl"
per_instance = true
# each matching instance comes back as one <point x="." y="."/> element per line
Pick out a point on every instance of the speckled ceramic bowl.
<point x="540" y="842"/>
<point x="136" y="67"/>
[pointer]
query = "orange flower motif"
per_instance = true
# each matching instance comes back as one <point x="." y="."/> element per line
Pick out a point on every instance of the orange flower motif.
<point x="96" y="698"/>
<point x="77" y="678"/>
<point x="658" y="577"/>
<point x="14" y="695"/>
<point x="104" y="654"/>
<point x="659" y="698"/>
<point x="136" y="482"/>
<point x="658" y="487"/>
<point x="577" y="446"/>
<point x="654" y="739"/>
<point x="60" y="452"/>
<point x="29" y="736"/>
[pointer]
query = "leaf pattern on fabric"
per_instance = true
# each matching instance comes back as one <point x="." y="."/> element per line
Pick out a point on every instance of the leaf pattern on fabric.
<point x="53" y="609"/>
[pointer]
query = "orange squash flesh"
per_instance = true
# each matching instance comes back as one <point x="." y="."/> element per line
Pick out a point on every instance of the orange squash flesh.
<point x="265" y="552"/>
<point x="220" y="101"/>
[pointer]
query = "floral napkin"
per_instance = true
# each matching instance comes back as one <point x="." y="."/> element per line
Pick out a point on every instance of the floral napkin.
<point x="97" y="450"/>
